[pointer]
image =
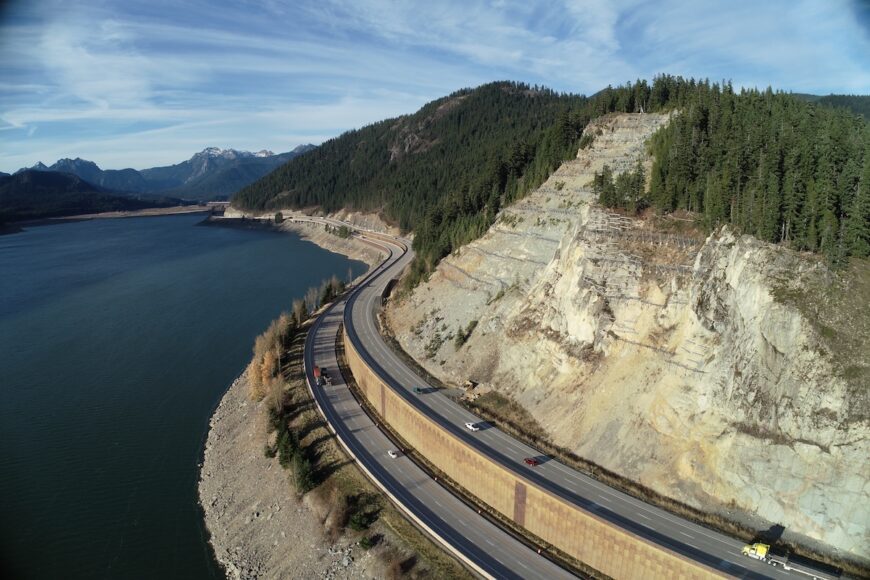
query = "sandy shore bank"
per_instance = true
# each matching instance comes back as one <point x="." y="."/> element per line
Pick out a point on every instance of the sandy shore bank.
<point x="258" y="528"/>
<point x="149" y="212"/>
<point x="353" y="249"/>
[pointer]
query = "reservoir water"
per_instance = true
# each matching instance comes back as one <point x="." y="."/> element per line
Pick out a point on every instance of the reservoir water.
<point x="117" y="340"/>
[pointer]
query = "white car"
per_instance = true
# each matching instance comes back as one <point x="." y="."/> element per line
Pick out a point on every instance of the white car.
<point x="472" y="427"/>
<point x="392" y="454"/>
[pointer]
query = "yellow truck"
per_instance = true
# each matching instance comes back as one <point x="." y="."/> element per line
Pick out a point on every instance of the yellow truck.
<point x="814" y="570"/>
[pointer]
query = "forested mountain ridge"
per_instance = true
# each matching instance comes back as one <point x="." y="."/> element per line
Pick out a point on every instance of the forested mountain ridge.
<point x="32" y="194"/>
<point x="407" y="165"/>
<point x="445" y="171"/>
<point x="779" y="168"/>
<point x="858" y="104"/>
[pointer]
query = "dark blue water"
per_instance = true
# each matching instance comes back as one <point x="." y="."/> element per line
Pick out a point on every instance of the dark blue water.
<point x="117" y="339"/>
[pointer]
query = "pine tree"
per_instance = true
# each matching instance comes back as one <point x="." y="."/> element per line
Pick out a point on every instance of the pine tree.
<point x="857" y="226"/>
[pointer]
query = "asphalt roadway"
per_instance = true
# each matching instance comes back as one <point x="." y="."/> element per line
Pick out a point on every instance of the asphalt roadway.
<point x="496" y="552"/>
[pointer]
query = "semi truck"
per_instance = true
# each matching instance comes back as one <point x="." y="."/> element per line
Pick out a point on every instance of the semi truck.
<point x="814" y="570"/>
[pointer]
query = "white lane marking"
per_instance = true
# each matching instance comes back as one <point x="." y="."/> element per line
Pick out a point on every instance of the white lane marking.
<point x="488" y="542"/>
<point x="642" y="516"/>
<point x="603" y="498"/>
<point x="688" y="535"/>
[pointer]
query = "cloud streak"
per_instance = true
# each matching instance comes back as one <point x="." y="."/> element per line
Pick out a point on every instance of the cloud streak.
<point x="136" y="83"/>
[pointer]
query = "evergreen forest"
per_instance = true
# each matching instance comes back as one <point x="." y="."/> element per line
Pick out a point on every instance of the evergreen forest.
<point x="774" y="166"/>
<point x="770" y="163"/>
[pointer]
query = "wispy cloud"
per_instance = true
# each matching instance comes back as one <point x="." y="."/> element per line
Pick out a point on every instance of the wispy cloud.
<point x="139" y="83"/>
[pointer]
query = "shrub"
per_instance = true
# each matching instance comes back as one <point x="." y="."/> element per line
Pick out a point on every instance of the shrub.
<point x="462" y="335"/>
<point x="303" y="474"/>
<point x="359" y="521"/>
<point x="288" y="447"/>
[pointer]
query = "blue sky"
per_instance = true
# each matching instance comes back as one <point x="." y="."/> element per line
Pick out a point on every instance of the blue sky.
<point x="130" y="83"/>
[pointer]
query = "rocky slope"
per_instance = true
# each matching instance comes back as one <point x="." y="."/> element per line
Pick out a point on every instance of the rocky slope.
<point x="693" y="366"/>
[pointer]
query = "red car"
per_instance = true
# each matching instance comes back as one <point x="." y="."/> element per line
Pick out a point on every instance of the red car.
<point x="531" y="461"/>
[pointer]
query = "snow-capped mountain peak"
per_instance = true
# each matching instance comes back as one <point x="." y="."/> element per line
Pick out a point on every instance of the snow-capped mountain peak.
<point x="230" y="154"/>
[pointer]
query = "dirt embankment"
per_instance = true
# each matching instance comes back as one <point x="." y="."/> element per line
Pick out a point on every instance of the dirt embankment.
<point x="350" y="247"/>
<point x="258" y="528"/>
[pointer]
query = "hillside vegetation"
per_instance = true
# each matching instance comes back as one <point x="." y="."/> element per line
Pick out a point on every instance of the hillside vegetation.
<point x="858" y="104"/>
<point x="776" y="167"/>
<point x="40" y="194"/>
<point x="446" y="171"/>
<point x="443" y="172"/>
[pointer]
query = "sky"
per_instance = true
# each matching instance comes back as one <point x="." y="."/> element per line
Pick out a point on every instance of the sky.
<point x="131" y="83"/>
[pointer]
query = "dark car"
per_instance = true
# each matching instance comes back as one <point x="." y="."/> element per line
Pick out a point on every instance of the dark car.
<point x="531" y="461"/>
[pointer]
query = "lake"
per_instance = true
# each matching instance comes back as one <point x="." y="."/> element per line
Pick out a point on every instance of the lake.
<point x="117" y="340"/>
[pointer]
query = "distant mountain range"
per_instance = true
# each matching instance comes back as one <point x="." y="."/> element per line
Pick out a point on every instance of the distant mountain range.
<point x="78" y="186"/>
<point x="33" y="194"/>
<point x="213" y="173"/>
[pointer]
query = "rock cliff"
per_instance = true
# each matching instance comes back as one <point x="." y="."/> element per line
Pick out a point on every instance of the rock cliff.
<point x="710" y="370"/>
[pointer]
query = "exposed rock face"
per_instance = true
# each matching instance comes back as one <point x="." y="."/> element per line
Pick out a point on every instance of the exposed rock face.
<point x="662" y="357"/>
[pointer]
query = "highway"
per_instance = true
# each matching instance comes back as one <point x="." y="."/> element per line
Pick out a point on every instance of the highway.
<point x="495" y="552"/>
<point x="488" y="548"/>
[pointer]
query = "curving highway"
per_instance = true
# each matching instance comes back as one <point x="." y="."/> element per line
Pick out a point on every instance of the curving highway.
<point x="485" y="547"/>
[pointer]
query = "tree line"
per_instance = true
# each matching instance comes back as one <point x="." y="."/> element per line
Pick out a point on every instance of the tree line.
<point x="772" y="165"/>
<point x="769" y="163"/>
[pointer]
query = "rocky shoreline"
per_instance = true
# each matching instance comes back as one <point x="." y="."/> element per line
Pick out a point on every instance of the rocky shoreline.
<point x="257" y="526"/>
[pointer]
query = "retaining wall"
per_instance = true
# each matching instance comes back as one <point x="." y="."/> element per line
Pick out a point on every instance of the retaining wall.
<point x="585" y="536"/>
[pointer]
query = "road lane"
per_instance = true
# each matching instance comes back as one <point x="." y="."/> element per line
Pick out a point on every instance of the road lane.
<point x="495" y="552"/>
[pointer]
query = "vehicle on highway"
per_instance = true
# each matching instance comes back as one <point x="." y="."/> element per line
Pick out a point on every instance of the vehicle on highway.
<point x="472" y="427"/>
<point x="392" y="453"/>
<point x="531" y="461"/>
<point x="418" y="390"/>
<point x="759" y="551"/>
